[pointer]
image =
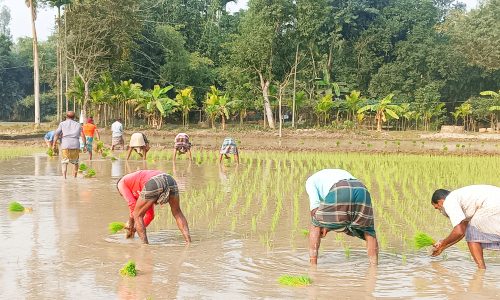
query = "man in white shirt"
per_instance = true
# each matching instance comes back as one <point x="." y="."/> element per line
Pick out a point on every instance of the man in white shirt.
<point x="117" y="134"/>
<point x="339" y="201"/>
<point x="474" y="212"/>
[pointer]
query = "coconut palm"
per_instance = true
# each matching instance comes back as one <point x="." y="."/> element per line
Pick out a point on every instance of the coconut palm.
<point x="185" y="101"/>
<point x="383" y="109"/>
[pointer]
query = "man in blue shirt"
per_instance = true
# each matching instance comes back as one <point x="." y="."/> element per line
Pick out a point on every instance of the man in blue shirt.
<point x="339" y="201"/>
<point x="49" y="138"/>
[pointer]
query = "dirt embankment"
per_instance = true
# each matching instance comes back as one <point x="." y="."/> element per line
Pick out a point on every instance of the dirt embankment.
<point x="300" y="140"/>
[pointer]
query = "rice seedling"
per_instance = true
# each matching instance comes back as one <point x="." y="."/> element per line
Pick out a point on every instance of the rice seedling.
<point x="347" y="251"/>
<point x="295" y="281"/>
<point x="114" y="227"/>
<point x="50" y="152"/>
<point x="129" y="269"/>
<point x="83" y="167"/>
<point x="423" y="240"/>
<point x="305" y="232"/>
<point x="90" y="173"/>
<point x="16" y="207"/>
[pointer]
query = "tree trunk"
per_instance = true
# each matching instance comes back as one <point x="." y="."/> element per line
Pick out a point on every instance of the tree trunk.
<point x="36" y="74"/>
<point x="264" y="84"/>
<point x="85" y="99"/>
<point x="294" y="85"/>
<point x="223" y="123"/>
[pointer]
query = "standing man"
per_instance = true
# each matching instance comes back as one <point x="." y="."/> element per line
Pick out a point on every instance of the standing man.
<point x="143" y="190"/>
<point x="71" y="131"/>
<point x="229" y="147"/>
<point x="117" y="134"/>
<point x="474" y="212"/>
<point x="340" y="202"/>
<point x="182" y="145"/>
<point x="89" y="130"/>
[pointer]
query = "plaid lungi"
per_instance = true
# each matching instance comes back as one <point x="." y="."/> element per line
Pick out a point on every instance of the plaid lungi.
<point x="347" y="208"/>
<point x="182" y="143"/>
<point x="159" y="188"/>
<point x="117" y="140"/>
<point x="228" y="147"/>
<point x="487" y="240"/>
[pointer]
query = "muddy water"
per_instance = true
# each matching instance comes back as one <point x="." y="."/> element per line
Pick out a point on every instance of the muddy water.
<point x="62" y="249"/>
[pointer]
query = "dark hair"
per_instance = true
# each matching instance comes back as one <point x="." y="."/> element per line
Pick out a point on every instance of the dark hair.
<point x="438" y="195"/>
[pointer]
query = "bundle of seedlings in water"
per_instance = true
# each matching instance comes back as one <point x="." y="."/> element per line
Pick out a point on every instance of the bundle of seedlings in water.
<point x="90" y="173"/>
<point x="290" y="280"/>
<point x="423" y="240"/>
<point x="99" y="146"/>
<point x="106" y="152"/>
<point x="16" y="207"/>
<point x="50" y="152"/>
<point x="129" y="269"/>
<point x="114" y="227"/>
<point x="83" y="167"/>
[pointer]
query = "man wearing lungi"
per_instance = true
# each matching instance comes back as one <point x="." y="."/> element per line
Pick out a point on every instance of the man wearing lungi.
<point x="117" y="134"/>
<point x="70" y="131"/>
<point x="229" y="147"/>
<point x="474" y="212"/>
<point x="140" y="144"/>
<point x="182" y="145"/>
<point x="142" y="190"/>
<point x="90" y="130"/>
<point x="340" y="202"/>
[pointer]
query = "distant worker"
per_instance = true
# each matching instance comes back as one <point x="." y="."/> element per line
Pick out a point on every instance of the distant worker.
<point x="474" y="212"/>
<point x="143" y="190"/>
<point x="229" y="147"/>
<point x="71" y="131"/>
<point x="117" y="134"/>
<point x="49" y="138"/>
<point x="340" y="202"/>
<point x="140" y="144"/>
<point x="90" y="130"/>
<point x="182" y="145"/>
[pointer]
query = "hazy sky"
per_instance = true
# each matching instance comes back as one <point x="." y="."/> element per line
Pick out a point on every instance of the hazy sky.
<point x="20" y="23"/>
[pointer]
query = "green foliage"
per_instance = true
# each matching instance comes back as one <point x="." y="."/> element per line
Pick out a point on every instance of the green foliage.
<point x="129" y="269"/>
<point x="422" y="240"/>
<point x="114" y="227"/>
<point x="90" y="173"/>
<point x="16" y="207"/>
<point x="82" y="167"/>
<point x="185" y="102"/>
<point x="50" y="152"/>
<point x="295" y="281"/>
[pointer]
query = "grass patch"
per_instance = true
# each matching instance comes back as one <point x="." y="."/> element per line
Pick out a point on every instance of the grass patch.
<point x="290" y="280"/>
<point x="114" y="227"/>
<point x="16" y="207"/>
<point x="423" y="240"/>
<point x="129" y="269"/>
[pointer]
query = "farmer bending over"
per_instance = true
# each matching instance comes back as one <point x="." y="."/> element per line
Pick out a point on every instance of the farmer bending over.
<point x="142" y="190"/>
<point x="229" y="147"/>
<point x="474" y="212"/>
<point x="340" y="202"/>
<point x="182" y="145"/>
<point x="140" y="144"/>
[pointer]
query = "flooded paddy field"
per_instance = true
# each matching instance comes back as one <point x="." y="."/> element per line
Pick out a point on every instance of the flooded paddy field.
<point x="249" y="226"/>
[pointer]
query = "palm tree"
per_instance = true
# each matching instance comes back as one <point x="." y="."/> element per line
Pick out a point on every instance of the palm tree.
<point x="36" y="75"/>
<point x="382" y="109"/>
<point x="185" y="101"/>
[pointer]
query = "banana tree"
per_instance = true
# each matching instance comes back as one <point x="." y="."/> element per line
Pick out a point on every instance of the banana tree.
<point x="495" y="108"/>
<point x="212" y="104"/>
<point x="464" y="111"/>
<point x="352" y="103"/>
<point x="157" y="104"/>
<point x="323" y="108"/>
<point x="383" y="109"/>
<point x="185" y="102"/>
<point x="224" y="104"/>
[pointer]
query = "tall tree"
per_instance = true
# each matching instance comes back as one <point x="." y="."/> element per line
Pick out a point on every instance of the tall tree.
<point x="36" y="75"/>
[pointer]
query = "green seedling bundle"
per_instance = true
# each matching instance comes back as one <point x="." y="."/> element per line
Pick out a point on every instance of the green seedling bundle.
<point x="16" y="207"/>
<point x="129" y="269"/>
<point x="83" y="167"/>
<point x="295" y="281"/>
<point x="90" y="173"/>
<point x="422" y="240"/>
<point x="114" y="227"/>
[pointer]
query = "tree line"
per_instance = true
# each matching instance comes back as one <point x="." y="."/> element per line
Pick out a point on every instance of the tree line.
<point x="406" y="64"/>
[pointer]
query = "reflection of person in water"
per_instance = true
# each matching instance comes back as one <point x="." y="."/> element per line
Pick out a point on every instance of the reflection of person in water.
<point x="340" y="202"/>
<point x="143" y="190"/>
<point x="474" y="212"/>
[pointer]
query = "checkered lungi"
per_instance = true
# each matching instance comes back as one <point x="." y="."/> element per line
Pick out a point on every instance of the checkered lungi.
<point x="347" y="208"/>
<point x="159" y="188"/>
